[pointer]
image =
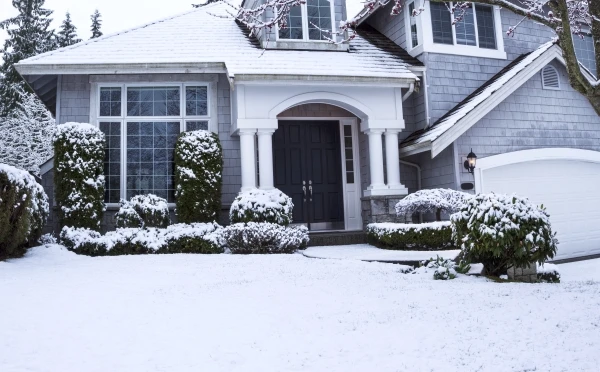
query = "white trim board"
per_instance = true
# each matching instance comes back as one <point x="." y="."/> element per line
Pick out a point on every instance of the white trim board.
<point x="524" y="156"/>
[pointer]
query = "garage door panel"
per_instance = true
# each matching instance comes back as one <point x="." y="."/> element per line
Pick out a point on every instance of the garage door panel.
<point x="570" y="191"/>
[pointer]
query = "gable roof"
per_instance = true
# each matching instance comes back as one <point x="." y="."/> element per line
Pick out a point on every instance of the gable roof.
<point x="485" y="98"/>
<point x="207" y="39"/>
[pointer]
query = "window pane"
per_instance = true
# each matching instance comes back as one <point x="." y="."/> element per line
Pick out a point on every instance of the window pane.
<point x="413" y="25"/>
<point x="110" y="101"/>
<point x="349" y="154"/>
<point x="465" y="29"/>
<point x="196" y="101"/>
<point x="293" y="29"/>
<point x="319" y="18"/>
<point x="196" y="125"/>
<point x="149" y="165"/>
<point x="485" y="26"/>
<point x="112" y="161"/>
<point x="153" y="101"/>
<point x="441" y="23"/>
<point x="584" y="49"/>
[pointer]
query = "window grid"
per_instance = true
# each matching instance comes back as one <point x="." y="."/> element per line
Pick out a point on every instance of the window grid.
<point x="476" y="28"/>
<point x="485" y="26"/>
<point x="413" y="25"/>
<point x="153" y="101"/>
<point x="465" y="29"/>
<point x="110" y="101"/>
<point x="318" y="14"/>
<point x="349" y="154"/>
<point x="145" y="173"/>
<point x="293" y="29"/>
<point x="584" y="50"/>
<point x="196" y="101"/>
<point x="441" y="22"/>
<point x="112" y="161"/>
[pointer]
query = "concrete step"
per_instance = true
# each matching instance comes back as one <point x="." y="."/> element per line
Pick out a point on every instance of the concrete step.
<point x="337" y="238"/>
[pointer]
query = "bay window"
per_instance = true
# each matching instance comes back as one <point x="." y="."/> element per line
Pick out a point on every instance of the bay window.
<point x="141" y="124"/>
<point x="476" y="28"/>
<point x="305" y="22"/>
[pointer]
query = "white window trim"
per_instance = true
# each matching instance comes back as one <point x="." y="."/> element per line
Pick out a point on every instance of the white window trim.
<point x="95" y="117"/>
<point x="305" y="38"/>
<point x="544" y="86"/>
<point x="408" y="32"/>
<point x="426" y="32"/>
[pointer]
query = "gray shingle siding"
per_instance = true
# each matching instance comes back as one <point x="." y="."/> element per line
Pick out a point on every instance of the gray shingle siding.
<point x="389" y="25"/>
<point x="74" y="99"/>
<point x="533" y="117"/>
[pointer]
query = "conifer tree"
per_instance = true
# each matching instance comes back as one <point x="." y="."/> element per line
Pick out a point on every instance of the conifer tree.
<point x="67" y="35"/>
<point x="29" y="34"/>
<point x="96" y="24"/>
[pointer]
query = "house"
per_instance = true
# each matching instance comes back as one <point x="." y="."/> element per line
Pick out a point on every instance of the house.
<point x="345" y="129"/>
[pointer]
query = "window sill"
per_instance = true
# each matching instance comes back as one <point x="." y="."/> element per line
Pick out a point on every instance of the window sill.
<point x="458" y="50"/>
<point x="305" y="45"/>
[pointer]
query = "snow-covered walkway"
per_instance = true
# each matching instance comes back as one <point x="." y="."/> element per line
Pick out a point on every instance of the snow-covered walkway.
<point x="62" y="312"/>
<point x="366" y="252"/>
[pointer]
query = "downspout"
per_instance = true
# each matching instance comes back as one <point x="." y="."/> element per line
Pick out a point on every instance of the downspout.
<point x="411" y="89"/>
<point x="426" y="93"/>
<point x="418" y="180"/>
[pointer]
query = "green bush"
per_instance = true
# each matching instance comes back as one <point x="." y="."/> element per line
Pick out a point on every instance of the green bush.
<point x="433" y="236"/>
<point x="548" y="273"/>
<point x="501" y="231"/>
<point x="193" y="238"/>
<point x="78" y="175"/>
<point x="264" y="237"/>
<point x="23" y="211"/>
<point x="198" y="176"/>
<point x="262" y="206"/>
<point x="143" y="211"/>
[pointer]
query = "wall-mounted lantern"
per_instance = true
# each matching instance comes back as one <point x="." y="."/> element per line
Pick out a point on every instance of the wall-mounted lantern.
<point x="470" y="162"/>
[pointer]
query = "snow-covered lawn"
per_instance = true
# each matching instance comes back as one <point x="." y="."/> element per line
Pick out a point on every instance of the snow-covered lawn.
<point x="366" y="252"/>
<point x="62" y="312"/>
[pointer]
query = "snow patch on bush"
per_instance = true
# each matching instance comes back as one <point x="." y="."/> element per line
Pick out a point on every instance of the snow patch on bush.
<point x="143" y="211"/>
<point x="548" y="273"/>
<point x="262" y="206"/>
<point x="263" y="237"/>
<point x="421" y="236"/>
<point x="432" y="201"/>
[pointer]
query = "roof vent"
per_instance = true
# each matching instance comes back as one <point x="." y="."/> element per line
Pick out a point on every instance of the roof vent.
<point x="550" y="78"/>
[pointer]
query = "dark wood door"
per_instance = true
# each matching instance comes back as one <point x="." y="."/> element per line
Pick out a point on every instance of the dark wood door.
<point x="308" y="168"/>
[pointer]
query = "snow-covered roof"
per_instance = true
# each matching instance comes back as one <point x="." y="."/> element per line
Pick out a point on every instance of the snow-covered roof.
<point x="484" y="95"/>
<point x="208" y="37"/>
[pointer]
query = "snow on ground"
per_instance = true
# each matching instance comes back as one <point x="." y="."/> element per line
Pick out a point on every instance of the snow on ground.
<point x="62" y="312"/>
<point x="366" y="252"/>
<point x="578" y="271"/>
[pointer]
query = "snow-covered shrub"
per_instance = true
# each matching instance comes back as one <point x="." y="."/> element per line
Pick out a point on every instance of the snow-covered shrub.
<point x="432" y="236"/>
<point x="47" y="239"/>
<point x="262" y="206"/>
<point x="432" y="201"/>
<point x="23" y="211"/>
<point x="180" y="238"/>
<point x="443" y="269"/>
<point x="198" y="176"/>
<point x="548" y="273"/>
<point x="192" y="238"/>
<point x="143" y="211"/>
<point x="78" y="174"/>
<point x="501" y="231"/>
<point x="263" y="237"/>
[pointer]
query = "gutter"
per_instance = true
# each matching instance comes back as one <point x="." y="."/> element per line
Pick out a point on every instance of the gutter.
<point x="120" y="68"/>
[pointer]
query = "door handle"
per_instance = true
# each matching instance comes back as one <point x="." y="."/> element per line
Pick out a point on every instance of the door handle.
<point x="310" y="188"/>
<point x="304" y="189"/>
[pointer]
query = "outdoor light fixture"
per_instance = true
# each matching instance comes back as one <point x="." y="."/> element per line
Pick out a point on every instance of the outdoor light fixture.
<point x="470" y="162"/>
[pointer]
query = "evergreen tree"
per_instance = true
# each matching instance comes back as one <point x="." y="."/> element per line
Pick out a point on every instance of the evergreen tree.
<point x="67" y="35"/>
<point x="96" y="24"/>
<point x="28" y="34"/>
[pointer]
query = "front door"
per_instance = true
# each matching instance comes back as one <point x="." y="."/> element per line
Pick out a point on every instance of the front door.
<point x="307" y="161"/>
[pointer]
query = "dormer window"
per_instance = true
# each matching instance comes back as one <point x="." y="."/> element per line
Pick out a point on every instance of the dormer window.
<point x="477" y="34"/>
<point x="584" y="50"/>
<point x="306" y="21"/>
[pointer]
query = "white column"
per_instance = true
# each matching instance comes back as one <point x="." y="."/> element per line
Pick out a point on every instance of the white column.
<point x="248" y="158"/>
<point x="376" y="159"/>
<point x="265" y="158"/>
<point x="392" y="159"/>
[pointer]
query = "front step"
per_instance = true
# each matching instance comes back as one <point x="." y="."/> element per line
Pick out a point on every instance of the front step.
<point x="337" y="238"/>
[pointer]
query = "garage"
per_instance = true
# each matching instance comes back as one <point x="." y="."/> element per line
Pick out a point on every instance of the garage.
<point x="565" y="181"/>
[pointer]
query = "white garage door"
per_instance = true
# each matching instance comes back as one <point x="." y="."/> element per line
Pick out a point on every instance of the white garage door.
<point x="569" y="188"/>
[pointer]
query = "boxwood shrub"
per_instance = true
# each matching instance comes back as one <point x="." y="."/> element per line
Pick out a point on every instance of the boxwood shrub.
<point x="78" y="175"/>
<point x="262" y="206"/>
<point x="431" y="236"/>
<point x="143" y="211"/>
<point x="198" y="176"/>
<point x="264" y="237"/>
<point x="501" y="231"/>
<point x="23" y="211"/>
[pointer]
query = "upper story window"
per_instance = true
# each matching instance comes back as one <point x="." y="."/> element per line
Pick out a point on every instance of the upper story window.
<point x="306" y="21"/>
<point x="584" y="50"/>
<point x="477" y="34"/>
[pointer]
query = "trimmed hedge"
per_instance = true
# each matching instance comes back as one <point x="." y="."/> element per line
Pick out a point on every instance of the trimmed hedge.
<point x="262" y="238"/>
<point x="198" y="176"/>
<point x="180" y="238"/>
<point x="78" y="175"/>
<point x="256" y="205"/>
<point x="434" y="236"/>
<point x="501" y="231"/>
<point x="23" y="211"/>
<point x="143" y="211"/>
